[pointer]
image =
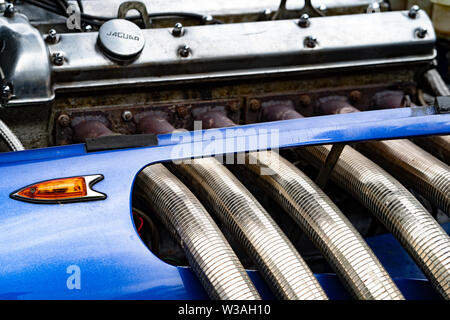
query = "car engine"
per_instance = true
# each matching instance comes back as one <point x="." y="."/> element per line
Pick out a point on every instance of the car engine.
<point x="363" y="213"/>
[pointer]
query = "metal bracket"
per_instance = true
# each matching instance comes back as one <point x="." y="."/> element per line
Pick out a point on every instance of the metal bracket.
<point x="329" y="164"/>
<point x="136" y="5"/>
<point x="442" y="104"/>
<point x="121" y="142"/>
<point x="283" y="13"/>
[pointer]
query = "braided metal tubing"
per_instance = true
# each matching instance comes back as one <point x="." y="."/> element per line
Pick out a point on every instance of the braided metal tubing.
<point x="10" y="138"/>
<point x="208" y="252"/>
<point x="276" y="258"/>
<point x="391" y="203"/>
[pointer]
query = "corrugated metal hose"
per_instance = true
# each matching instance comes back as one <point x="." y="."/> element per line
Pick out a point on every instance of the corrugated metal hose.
<point x="389" y="201"/>
<point x="330" y="231"/>
<point x="276" y="258"/>
<point x="392" y="204"/>
<point x="414" y="167"/>
<point x="208" y="252"/>
<point x="321" y="220"/>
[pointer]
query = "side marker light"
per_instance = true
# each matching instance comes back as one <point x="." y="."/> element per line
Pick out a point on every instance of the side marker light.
<point x="73" y="189"/>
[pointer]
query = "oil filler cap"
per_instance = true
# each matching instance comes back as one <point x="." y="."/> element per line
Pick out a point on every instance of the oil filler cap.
<point x="121" y="39"/>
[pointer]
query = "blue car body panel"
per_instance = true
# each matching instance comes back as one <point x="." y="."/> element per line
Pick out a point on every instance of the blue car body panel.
<point x="39" y="242"/>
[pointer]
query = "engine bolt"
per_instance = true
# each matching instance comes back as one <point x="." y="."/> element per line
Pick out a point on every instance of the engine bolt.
<point x="88" y="28"/>
<point x="305" y="100"/>
<point x="52" y="36"/>
<point x="323" y="8"/>
<point x="58" y="59"/>
<point x="178" y="30"/>
<point x="304" y="21"/>
<point x="254" y="104"/>
<point x="127" y="115"/>
<point x="182" y="111"/>
<point x="10" y="10"/>
<point x="421" y="32"/>
<point x="64" y="120"/>
<point x="355" y="95"/>
<point x="310" y="42"/>
<point x="207" y="19"/>
<point x="413" y="11"/>
<point x="6" y="93"/>
<point x="234" y="107"/>
<point x="266" y="13"/>
<point x="184" y="51"/>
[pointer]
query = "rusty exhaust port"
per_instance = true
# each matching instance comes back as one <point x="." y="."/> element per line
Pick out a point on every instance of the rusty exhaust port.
<point x="335" y="105"/>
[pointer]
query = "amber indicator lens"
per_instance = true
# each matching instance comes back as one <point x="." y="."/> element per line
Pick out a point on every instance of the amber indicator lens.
<point x="57" y="189"/>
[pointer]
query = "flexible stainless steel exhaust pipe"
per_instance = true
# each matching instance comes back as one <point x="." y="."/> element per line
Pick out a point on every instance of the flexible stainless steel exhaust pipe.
<point x="439" y="146"/>
<point x="406" y="161"/>
<point x="10" y="138"/>
<point x="321" y="220"/>
<point x="400" y="212"/>
<point x="391" y="203"/>
<point x="208" y="252"/>
<point x="277" y="259"/>
<point x="414" y="167"/>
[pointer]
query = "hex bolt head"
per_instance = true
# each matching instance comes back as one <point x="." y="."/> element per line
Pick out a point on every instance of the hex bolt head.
<point x="88" y="28"/>
<point x="304" y="21"/>
<point x="310" y="42"/>
<point x="10" y="10"/>
<point x="413" y="11"/>
<point x="421" y="32"/>
<point x="355" y="95"/>
<point x="64" y="120"/>
<point x="254" y="104"/>
<point x="6" y="93"/>
<point x="58" y="59"/>
<point x="305" y="100"/>
<point x="323" y="8"/>
<point x="52" y="36"/>
<point x="208" y="19"/>
<point x="127" y="115"/>
<point x="267" y="12"/>
<point x="178" y="30"/>
<point x="184" y="51"/>
<point x="182" y="111"/>
<point x="234" y="107"/>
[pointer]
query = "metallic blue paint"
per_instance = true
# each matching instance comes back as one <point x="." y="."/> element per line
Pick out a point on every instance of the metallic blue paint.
<point x="39" y="242"/>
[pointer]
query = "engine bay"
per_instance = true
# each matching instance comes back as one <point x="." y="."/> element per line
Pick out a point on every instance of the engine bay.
<point x="157" y="68"/>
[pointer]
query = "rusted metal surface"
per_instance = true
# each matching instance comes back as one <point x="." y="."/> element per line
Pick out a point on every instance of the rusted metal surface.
<point x="37" y="126"/>
<point x="316" y="102"/>
<point x="180" y="115"/>
<point x="215" y="119"/>
<point x="150" y="123"/>
<point x="90" y="129"/>
<point x="279" y="110"/>
<point x="335" y="105"/>
<point x="391" y="99"/>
